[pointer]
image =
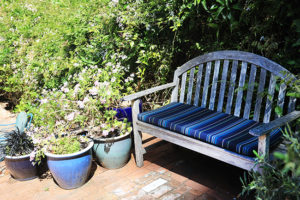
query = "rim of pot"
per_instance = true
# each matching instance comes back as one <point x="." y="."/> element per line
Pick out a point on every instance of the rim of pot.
<point x="18" y="157"/>
<point x="91" y="143"/>
<point x="111" y="138"/>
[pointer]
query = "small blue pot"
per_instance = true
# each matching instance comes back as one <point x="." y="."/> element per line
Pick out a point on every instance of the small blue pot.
<point x="20" y="167"/>
<point x="71" y="170"/>
<point x="113" y="153"/>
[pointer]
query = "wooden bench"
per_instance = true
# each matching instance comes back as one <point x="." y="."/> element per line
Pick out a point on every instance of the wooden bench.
<point x="210" y="81"/>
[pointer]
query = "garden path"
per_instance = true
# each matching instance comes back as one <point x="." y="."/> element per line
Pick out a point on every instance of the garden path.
<point x="169" y="172"/>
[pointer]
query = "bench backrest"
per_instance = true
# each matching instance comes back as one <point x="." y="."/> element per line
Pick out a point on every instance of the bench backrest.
<point x="239" y="83"/>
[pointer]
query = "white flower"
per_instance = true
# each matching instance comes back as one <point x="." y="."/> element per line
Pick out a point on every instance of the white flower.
<point x="76" y="88"/>
<point x="113" y="79"/>
<point x="70" y="116"/>
<point x="44" y="101"/>
<point x="86" y="99"/>
<point x="32" y="156"/>
<point x="103" y="125"/>
<point x="97" y="83"/>
<point x="76" y="64"/>
<point x="105" y="133"/>
<point x="93" y="91"/>
<point x="65" y="90"/>
<point x="102" y="101"/>
<point x="80" y="104"/>
<point x="132" y="75"/>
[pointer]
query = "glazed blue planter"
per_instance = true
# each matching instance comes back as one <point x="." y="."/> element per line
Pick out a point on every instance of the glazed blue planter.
<point x="71" y="170"/>
<point x="123" y="113"/>
<point x="113" y="153"/>
<point x="20" y="167"/>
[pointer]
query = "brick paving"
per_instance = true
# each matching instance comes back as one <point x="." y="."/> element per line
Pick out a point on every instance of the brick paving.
<point x="169" y="172"/>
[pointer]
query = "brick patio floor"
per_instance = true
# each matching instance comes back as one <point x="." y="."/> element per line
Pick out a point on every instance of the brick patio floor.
<point x="169" y="172"/>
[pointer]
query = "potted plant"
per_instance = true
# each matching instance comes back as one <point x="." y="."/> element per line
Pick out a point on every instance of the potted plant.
<point x="112" y="141"/>
<point x="18" y="148"/>
<point x="68" y="155"/>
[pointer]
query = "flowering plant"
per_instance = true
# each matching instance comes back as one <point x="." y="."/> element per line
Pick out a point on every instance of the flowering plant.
<point x="85" y="102"/>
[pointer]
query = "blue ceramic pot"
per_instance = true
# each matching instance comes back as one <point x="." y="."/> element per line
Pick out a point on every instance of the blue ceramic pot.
<point x="20" y="167"/>
<point x="126" y="113"/>
<point x="113" y="153"/>
<point x="71" y="170"/>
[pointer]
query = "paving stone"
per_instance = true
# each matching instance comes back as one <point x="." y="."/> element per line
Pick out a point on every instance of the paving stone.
<point x="205" y="197"/>
<point x="170" y="196"/>
<point x="160" y="191"/>
<point x="155" y="184"/>
<point x="182" y="189"/>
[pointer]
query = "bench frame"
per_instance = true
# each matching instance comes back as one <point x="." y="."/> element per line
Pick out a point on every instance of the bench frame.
<point x="262" y="131"/>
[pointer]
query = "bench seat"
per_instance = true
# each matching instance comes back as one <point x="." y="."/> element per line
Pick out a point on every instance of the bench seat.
<point x="217" y="128"/>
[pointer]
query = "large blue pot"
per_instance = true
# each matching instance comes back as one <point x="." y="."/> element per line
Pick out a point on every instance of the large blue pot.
<point x="20" y="167"/>
<point x="71" y="170"/>
<point x="113" y="153"/>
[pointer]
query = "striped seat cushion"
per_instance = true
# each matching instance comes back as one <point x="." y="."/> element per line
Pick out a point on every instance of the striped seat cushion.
<point x="217" y="128"/>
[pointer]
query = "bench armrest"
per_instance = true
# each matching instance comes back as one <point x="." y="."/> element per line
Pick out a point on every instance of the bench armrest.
<point x="265" y="128"/>
<point x="148" y="91"/>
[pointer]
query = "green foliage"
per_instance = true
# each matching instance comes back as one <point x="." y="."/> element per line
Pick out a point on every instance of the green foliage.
<point x="45" y="43"/>
<point x="65" y="145"/>
<point x="17" y="144"/>
<point x="281" y="179"/>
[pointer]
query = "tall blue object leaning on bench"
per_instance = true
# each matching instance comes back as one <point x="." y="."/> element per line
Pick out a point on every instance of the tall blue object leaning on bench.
<point x="223" y="106"/>
<point x="23" y="121"/>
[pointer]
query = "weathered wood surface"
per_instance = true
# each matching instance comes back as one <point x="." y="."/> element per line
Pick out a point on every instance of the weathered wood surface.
<point x="265" y="128"/>
<point x="182" y="88"/>
<point x="264" y="145"/>
<point x="231" y="87"/>
<point x="190" y="88"/>
<point x="198" y="84"/>
<point x="214" y="85"/>
<point x="206" y="84"/>
<point x="257" y="60"/>
<point x="149" y="91"/>
<point x="239" y="98"/>
<point x="259" y="95"/>
<point x="139" y="150"/>
<point x="223" y="86"/>
<point x="251" y="84"/>
<point x="270" y="96"/>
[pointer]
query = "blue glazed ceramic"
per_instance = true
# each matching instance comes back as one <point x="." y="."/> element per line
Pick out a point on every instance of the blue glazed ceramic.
<point x="126" y="112"/>
<point x="71" y="170"/>
<point x="20" y="167"/>
<point x="113" y="153"/>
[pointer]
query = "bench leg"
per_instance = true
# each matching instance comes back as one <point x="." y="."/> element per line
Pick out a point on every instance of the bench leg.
<point x="139" y="150"/>
<point x="263" y="148"/>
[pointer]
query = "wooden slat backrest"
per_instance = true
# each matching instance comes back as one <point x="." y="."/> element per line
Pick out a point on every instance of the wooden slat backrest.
<point x="239" y="83"/>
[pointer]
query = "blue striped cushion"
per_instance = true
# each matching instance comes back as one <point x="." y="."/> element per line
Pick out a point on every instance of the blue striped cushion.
<point x="220" y="129"/>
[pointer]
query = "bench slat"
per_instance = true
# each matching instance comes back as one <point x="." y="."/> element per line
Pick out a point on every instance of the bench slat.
<point x="270" y="96"/>
<point x="182" y="88"/>
<point x="198" y="86"/>
<point x="261" y="86"/>
<point x="237" y="109"/>
<point x="190" y="89"/>
<point x="231" y="86"/>
<point x="251" y="84"/>
<point x="292" y="104"/>
<point x="214" y="85"/>
<point x="206" y="83"/>
<point x="223" y="85"/>
<point x="281" y="96"/>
